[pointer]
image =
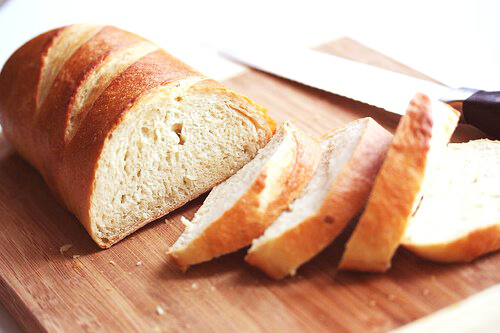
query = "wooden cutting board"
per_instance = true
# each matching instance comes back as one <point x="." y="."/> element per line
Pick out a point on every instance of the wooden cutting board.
<point x="106" y="290"/>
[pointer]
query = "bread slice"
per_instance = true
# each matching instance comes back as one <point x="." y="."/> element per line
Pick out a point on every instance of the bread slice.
<point x="459" y="217"/>
<point x="240" y="209"/>
<point x="419" y="142"/>
<point x="121" y="131"/>
<point x="339" y="188"/>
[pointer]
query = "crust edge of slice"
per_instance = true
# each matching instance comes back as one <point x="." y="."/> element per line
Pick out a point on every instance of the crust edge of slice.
<point x="281" y="256"/>
<point x="398" y="188"/>
<point x="220" y="237"/>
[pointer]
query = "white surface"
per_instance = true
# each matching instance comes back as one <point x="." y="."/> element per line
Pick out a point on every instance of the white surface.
<point x="453" y="41"/>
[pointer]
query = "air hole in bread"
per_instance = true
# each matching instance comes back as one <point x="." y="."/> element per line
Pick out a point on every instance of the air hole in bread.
<point x="177" y="128"/>
<point x="249" y="149"/>
<point x="139" y="145"/>
<point x="146" y="131"/>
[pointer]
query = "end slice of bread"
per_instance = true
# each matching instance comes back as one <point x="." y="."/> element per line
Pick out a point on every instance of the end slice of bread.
<point x="239" y="209"/>
<point x="174" y="144"/>
<point x="459" y="217"/>
<point x="419" y="142"/>
<point x="339" y="188"/>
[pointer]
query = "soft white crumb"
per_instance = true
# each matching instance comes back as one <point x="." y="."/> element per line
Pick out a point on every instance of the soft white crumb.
<point x="194" y="285"/>
<point x="65" y="248"/>
<point x="139" y="263"/>
<point x="112" y="262"/>
<point x="76" y="256"/>
<point x="159" y="311"/>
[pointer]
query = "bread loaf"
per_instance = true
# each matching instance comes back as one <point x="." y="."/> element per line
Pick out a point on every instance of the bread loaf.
<point x="419" y="142"/>
<point x="337" y="191"/>
<point x="121" y="131"/>
<point x="459" y="217"/>
<point x="239" y="209"/>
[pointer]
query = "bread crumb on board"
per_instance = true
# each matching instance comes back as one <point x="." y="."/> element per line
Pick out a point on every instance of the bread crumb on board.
<point x="65" y="248"/>
<point x="139" y="263"/>
<point x="185" y="222"/>
<point x="76" y="256"/>
<point x="159" y="311"/>
<point x="112" y="262"/>
<point x="194" y="286"/>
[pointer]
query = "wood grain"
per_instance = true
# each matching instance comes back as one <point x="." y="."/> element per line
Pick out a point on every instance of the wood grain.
<point x="457" y="317"/>
<point x="106" y="290"/>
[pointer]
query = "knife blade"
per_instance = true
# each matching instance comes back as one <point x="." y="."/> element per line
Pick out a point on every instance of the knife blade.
<point x="365" y="83"/>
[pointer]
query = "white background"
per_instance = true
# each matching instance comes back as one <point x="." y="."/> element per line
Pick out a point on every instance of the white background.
<point x="456" y="42"/>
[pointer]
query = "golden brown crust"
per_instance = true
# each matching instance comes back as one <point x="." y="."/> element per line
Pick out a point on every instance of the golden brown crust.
<point x="348" y="193"/>
<point x="69" y="167"/>
<point x="398" y="187"/>
<point x="245" y="221"/>
<point x="53" y="116"/>
<point x="19" y="84"/>
<point x="463" y="249"/>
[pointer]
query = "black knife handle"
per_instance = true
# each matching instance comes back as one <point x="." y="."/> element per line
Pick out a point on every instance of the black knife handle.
<point x="482" y="110"/>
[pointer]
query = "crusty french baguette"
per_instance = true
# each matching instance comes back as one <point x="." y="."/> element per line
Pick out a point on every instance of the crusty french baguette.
<point x="121" y="131"/>
<point x="239" y="209"/>
<point x="419" y="142"/>
<point x="459" y="217"/>
<point x="339" y="188"/>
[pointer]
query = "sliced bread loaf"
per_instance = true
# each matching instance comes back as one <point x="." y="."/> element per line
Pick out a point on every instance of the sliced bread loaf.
<point x="419" y="142"/>
<point x="121" y="131"/>
<point x="459" y="217"/>
<point x="240" y="209"/>
<point x="339" y="188"/>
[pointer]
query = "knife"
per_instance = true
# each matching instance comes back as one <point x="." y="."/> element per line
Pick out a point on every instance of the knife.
<point x="365" y="83"/>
